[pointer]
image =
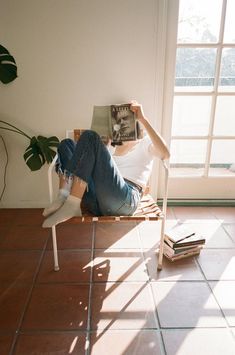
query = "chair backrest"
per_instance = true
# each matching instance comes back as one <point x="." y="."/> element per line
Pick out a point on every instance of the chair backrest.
<point x="74" y="133"/>
<point x="77" y="133"/>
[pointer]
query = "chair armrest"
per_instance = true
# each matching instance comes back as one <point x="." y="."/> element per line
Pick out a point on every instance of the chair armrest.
<point x="166" y="178"/>
<point x="164" y="208"/>
<point x="50" y="170"/>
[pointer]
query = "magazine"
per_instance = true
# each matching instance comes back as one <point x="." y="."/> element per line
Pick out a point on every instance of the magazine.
<point x="117" y="122"/>
<point x="123" y="123"/>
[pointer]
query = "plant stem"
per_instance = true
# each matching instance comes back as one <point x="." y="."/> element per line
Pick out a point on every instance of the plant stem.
<point x="12" y="130"/>
<point x="17" y="130"/>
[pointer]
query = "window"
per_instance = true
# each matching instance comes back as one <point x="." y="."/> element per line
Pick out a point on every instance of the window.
<point x="203" y="127"/>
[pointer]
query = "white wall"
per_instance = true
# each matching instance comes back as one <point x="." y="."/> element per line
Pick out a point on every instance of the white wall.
<point x="70" y="54"/>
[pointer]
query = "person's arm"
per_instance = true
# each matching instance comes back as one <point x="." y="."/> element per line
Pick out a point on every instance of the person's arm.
<point x="158" y="146"/>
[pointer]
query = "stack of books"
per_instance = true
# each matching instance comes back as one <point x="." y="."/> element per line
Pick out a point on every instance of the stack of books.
<point x="181" y="242"/>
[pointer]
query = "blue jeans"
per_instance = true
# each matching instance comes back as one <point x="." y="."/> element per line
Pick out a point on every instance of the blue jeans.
<point x="107" y="191"/>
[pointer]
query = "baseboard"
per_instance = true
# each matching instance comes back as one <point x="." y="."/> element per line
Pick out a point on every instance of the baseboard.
<point x="199" y="202"/>
<point x="170" y="202"/>
<point x="22" y="205"/>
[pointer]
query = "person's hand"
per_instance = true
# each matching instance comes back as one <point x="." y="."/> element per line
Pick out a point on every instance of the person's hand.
<point x="138" y="111"/>
<point x="106" y="140"/>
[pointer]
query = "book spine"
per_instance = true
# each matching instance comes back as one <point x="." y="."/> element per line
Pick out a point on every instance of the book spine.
<point x="182" y="256"/>
<point x="175" y="253"/>
<point x="186" y="244"/>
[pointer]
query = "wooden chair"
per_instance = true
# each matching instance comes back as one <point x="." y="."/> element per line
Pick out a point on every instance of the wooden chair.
<point x="148" y="210"/>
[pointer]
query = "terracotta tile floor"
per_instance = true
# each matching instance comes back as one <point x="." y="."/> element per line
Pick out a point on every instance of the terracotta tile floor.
<point x="108" y="298"/>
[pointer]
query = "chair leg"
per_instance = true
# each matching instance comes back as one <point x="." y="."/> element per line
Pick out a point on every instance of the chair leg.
<point x="160" y="255"/>
<point x="55" y="251"/>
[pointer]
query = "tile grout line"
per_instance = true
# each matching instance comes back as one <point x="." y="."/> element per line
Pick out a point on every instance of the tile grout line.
<point x="88" y="330"/>
<point x="33" y="282"/>
<point x="207" y="282"/>
<point x="205" y="279"/>
<point x="227" y="233"/>
<point x="156" y="315"/>
<point x="172" y="209"/>
<point x="208" y="285"/>
<point x="88" y="335"/>
<point x="128" y="282"/>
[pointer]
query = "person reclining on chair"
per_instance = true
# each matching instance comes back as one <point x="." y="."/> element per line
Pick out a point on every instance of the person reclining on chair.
<point x="108" y="183"/>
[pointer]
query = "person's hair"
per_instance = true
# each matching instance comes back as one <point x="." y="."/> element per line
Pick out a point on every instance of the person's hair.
<point x="113" y="144"/>
<point x="139" y="130"/>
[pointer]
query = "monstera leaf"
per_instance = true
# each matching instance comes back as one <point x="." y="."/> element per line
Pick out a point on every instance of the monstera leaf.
<point x="40" y="151"/>
<point x="8" y="68"/>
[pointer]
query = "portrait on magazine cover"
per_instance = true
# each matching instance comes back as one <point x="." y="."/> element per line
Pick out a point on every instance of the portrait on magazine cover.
<point x="123" y="123"/>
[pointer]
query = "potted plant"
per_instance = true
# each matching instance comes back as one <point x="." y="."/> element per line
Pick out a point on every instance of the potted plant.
<point x="40" y="149"/>
<point x="8" y="68"/>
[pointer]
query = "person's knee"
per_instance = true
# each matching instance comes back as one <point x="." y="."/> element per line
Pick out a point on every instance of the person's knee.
<point x="65" y="141"/>
<point x="89" y="134"/>
<point x="66" y="144"/>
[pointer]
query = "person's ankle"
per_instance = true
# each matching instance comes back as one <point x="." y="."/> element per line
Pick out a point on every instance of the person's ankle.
<point x="55" y="205"/>
<point x="71" y="208"/>
<point x="63" y="193"/>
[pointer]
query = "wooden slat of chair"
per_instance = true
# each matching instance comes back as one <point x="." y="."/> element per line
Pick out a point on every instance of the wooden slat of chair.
<point x="148" y="210"/>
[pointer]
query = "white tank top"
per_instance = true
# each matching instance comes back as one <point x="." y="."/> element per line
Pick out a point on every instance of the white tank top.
<point x="136" y="165"/>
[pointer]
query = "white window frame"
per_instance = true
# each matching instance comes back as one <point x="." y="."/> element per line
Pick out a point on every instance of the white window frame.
<point x="206" y="186"/>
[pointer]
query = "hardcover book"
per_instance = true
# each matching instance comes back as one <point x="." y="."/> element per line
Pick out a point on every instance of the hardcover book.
<point x="182" y="236"/>
<point x="176" y="252"/>
<point x="181" y="242"/>
<point x="116" y="122"/>
<point x="182" y="256"/>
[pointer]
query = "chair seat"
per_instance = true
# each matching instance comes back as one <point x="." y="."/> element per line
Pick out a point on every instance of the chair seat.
<point x="146" y="210"/>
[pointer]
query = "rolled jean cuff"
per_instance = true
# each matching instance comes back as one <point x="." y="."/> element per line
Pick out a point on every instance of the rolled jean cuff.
<point x="63" y="173"/>
<point x="66" y="175"/>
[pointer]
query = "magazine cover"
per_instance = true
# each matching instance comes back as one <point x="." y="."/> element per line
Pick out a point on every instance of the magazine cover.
<point x="123" y="123"/>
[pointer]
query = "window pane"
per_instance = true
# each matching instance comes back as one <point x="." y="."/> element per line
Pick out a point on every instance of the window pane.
<point x="187" y="170"/>
<point x="199" y="21"/>
<point x="188" y="151"/>
<point x="229" y="32"/>
<point x="222" y="158"/>
<point x="195" y="69"/>
<point x="225" y="116"/>
<point x="191" y="115"/>
<point x="227" y="74"/>
<point x="223" y="151"/>
<point x="187" y="157"/>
